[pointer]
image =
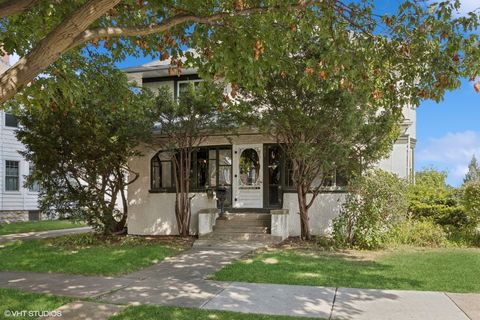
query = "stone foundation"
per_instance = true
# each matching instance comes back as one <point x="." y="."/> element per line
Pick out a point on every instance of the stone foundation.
<point x="13" y="216"/>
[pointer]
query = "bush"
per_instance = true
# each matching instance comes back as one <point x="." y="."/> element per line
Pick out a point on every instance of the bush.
<point x="471" y="199"/>
<point x="375" y="202"/>
<point x="421" y="233"/>
<point x="454" y="217"/>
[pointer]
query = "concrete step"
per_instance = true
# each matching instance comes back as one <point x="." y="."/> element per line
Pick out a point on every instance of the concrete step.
<point x="246" y="223"/>
<point x="240" y="228"/>
<point x="221" y="236"/>
<point x="213" y="244"/>
<point x="247" y="216"/>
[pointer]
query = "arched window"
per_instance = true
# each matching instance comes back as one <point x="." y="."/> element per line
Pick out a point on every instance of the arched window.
<point x="161" y="172"/>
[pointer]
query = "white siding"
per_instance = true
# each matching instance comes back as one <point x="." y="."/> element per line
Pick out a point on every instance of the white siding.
<point x="9" y="150"/>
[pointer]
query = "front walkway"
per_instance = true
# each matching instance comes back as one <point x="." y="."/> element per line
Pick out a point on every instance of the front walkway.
<point x="43" y="234"/>
<point x="181" y="281"/>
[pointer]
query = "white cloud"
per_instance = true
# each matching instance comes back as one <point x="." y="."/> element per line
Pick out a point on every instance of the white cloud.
<point x="453" y="152"/>
<point x="469" y="5"/>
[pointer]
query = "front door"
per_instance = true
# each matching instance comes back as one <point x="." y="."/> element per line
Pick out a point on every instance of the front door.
<point x="247" y="176"/>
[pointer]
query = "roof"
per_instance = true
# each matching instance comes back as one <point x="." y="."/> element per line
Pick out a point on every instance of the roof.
<point x="153" y="69"/>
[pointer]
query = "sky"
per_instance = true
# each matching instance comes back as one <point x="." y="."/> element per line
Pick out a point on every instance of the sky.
<point x="448" y="133"/>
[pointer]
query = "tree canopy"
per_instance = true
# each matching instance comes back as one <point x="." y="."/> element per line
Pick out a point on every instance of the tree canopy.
<point x="80" y="129"/>
<point x="424" y="47"/>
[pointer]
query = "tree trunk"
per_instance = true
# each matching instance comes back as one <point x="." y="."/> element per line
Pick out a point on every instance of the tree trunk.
<point x="182" y="185"/>
<point x="303" y="211"/>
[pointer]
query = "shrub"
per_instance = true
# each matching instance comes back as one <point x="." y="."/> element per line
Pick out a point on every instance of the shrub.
<point x="421" y="233"/>
<point x="375" y="202"/>
<point x="471" y="201"/>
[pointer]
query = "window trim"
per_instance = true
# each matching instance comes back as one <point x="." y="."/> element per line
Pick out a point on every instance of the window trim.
<point x="17" y="176"/>
<point x="193" y="182"/>
<point x="179" y="82"/>
<point x="5" y="114"/>
<point x="160" y="190"/>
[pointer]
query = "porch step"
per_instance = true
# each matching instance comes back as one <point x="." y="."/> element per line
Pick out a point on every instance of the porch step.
<point x="228" y="236"/>
<point x="247" y="216"/>
<point x="227" y="228"/>
<point x="242" y="223"/>
<point x="242" y="226"/>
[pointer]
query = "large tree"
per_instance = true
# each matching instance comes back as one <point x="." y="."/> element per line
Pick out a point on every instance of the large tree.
<point x="185" y="123"/>
<point x="239" y="39"/>
<point x="330" y="125"/>
<point x="79" y="128"/>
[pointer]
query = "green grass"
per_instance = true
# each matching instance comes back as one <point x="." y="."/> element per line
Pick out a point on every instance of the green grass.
<point x="176" y="313"/>
<point x="32" y="226"/>
<point x="452" y="270"/>
<point x="86" y="254"/>
<point x="14" y="300"/>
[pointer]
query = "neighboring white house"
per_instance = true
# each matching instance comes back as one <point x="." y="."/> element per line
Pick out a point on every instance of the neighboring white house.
<point x="16" y="202"/>
<point x="267" y="187"/>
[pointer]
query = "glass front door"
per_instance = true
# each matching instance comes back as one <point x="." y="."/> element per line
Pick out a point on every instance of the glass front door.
<point x="248" y="176"/>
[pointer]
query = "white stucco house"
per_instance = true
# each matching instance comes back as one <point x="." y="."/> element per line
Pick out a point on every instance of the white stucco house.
<point x="16" y="201"/>
<point x="266" y="189"/>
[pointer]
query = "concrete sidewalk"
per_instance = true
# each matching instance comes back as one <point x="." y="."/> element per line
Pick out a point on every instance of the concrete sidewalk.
<point x="43" y="234"/>
<point x="181" y="281"/>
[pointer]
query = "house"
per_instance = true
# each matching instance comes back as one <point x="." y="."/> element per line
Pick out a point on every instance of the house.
<point x="264" y="188"/>
<point x="17" y="203"/>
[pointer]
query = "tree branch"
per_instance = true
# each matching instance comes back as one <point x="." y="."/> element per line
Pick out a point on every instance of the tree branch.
<point x="11" y="7"/>
<point x="50" y="48"/>
<point x="167" y="24"/>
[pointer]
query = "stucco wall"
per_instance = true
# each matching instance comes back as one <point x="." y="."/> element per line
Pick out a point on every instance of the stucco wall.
<point x="154" y="213"/>
<point x="325" y="208"/>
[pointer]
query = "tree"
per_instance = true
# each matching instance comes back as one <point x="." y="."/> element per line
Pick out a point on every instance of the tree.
<point x="472" y="203"/>
<point x="186" y="123"/>
<point x="473" y="174"/>
<point x="79" y="128"/>
<point x="327" y="125"/>
<point x="238" y="39"/>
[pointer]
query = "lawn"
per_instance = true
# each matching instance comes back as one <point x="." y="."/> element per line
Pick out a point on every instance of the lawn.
<point x="13" y="301"/>
<point x="176" y="313"/>
<point x="452" y="270"/>
<point x="88" y="254"/>
<point x="32" y="226"/>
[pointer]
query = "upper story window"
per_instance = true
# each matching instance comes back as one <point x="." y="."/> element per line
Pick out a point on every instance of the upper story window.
<point x="11" y="120"/>
<point x="182" y="86"/>
<point x="12" y="175"/>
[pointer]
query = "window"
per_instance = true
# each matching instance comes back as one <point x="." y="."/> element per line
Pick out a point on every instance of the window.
<point x="11" y="120"/>
<point x="182" y="86"/>
<point x="211" y="167"/>
<point x="12" y="176"/>
<point x="335" y="181"/>
<point x="161" y="173"/>
<point x="35" y="187"/>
